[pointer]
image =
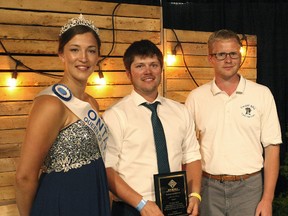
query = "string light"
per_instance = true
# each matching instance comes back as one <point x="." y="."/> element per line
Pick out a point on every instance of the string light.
<point x="100" y="80"/>
<point x="101" y="75"/>
<point x="12" y="82"/>
<point x="244" y="48"/>
<point x="171" y="58"/>
<point x="243" y="51"/>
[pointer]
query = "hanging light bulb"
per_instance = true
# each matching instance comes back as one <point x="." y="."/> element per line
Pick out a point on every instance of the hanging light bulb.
<point x="101" y="75"/>
<point x="243" y="51"/>
<point x="100" y="80"/>
<point x="12" y="82"/>
<point x="171" y="58"/>
<point x="244" y="48"/>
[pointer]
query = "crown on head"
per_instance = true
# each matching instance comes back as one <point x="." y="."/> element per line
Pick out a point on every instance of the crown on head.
<point x="79" y="21"/>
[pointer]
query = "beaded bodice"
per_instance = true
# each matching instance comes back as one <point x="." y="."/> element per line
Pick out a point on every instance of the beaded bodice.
<point x="74" y="147"/>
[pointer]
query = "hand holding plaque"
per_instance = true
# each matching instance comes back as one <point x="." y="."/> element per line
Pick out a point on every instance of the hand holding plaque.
<point x="171" y="193"/>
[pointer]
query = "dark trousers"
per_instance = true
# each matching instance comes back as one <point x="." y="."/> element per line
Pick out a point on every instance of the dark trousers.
<point x="123" y="209"/>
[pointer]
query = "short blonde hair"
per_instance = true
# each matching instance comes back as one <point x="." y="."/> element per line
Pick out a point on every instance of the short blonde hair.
<point x="222" y="34"/>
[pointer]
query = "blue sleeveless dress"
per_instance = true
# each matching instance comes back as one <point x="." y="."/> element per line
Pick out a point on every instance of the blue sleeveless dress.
<point x="73" y="182"/>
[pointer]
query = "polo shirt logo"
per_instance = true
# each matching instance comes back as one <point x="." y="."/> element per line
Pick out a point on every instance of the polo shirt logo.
<point x="248" y="110"/>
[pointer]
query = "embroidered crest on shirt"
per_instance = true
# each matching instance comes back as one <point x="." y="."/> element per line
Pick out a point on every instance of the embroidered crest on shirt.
<point x="248" y="110"/>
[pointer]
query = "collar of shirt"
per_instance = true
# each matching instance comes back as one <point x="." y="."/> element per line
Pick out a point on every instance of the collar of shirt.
<point x="138" y="99"/>
<point x="240" y="88"/>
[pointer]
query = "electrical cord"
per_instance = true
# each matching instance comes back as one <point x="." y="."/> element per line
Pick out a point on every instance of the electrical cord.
<point x="113" y="42"/>
<point x="19" y="63"/>
<point x="182" y="51"/>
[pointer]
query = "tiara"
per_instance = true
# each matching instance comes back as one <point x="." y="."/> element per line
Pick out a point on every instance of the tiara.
<point x="79" y="21"/>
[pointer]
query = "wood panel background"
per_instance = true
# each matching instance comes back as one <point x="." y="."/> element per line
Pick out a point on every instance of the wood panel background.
<point x="29" y="33"/>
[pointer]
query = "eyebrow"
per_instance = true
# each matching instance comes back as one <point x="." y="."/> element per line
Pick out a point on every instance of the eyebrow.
<point x="91" y="46"/>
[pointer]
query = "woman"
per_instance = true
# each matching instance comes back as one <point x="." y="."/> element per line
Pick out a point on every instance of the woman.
<point x="65" y="137"/>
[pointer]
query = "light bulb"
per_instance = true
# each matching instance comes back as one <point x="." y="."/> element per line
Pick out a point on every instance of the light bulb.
<point x="100" y="81"/>
<point x="12" y="82"/>
<point x="171" y="59"/>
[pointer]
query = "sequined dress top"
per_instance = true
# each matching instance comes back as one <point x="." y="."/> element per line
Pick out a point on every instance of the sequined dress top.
<point x="73" y="181"/>
<point x="74" y="147"/>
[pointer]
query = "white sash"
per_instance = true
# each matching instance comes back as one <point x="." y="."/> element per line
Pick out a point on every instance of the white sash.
<point x="83" y="110"/>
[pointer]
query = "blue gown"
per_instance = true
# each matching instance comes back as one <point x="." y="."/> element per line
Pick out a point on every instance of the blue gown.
<point x="73" y="182"/>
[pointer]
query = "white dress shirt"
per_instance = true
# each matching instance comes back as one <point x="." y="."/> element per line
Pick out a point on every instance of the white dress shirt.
<point x="130" y="148"/>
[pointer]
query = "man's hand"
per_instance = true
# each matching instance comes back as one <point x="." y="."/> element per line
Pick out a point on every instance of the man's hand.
<point x="151" y="209"/>
<point x="193" y="206"/>
<point x="264" y="208"/>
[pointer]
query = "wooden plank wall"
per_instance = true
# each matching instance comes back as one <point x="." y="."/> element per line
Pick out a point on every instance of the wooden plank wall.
<point x="29" y="32"/>
<point x="177" y="79"/>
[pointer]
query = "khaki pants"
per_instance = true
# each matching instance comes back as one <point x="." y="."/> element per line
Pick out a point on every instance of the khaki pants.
<point x="231" y="198"/>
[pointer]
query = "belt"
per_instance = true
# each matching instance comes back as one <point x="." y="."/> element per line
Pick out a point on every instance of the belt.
<point x="223" y="178"/>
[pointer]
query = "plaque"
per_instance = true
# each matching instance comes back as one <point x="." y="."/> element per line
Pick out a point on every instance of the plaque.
<point x="171" y="193"/>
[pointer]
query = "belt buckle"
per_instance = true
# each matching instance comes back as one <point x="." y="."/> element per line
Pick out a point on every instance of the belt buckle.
<point x="222" y="178"/>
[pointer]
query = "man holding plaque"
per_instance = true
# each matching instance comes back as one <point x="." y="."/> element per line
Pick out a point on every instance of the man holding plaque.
<point x="151" y="137"/>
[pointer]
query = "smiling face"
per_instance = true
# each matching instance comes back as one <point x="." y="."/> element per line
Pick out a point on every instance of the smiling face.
<point x="145" y="75"/>
<point x="80" y="56"/>
<point x="227" y="68"/>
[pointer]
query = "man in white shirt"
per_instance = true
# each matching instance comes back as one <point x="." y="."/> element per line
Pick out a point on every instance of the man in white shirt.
<point x="131" y="158"/>
<point x="236" y="119"/>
